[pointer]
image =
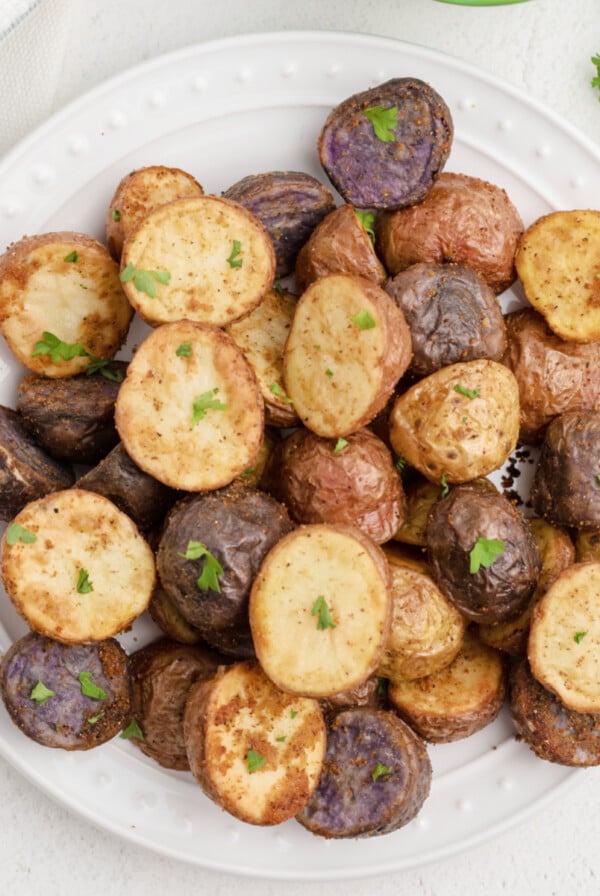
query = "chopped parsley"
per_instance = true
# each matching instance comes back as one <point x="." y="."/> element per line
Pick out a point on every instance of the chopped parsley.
<point x="293" y="713"/>
<point x="116" y="215"/>
<point x="595" y="82"/>
<point x="58" y="350"/>
<point x="99" y="365"/>
<point x="89" y="689"/>
<point x="254" y="760"/>
<point x="278" y="391"/>
<point x="206" y="402"/>
<point x="363" y="320"/>
<point x="72" y="256"/>
<point x="329" y="372"/>
<point x="444" y="484"/>
<point x="280" y="740"/>
<point x="400" y="464"/>
<point x="278" y="288"/>
<point x="16" y="532"/>
<point x="93" y="719"/>
<point x="144" y="281"/>
<point x="40" y="693"/>
<point x="247" y="472"/>
<point x="384" y="122"/>
<point x="340" y="445"/>
<point x="367" y="219"/>
<point x="484" y="552"/>
<point x="234" y="261"/>
<point x="212" y="569"/>
<point x="321" y="609"/>
<point x="379" y="771"/>
<point x="469" y="393"/>
<point x="184" y="350"/>
<point x="132" y="731"/>
<point x="579" y="636"/>
<point x="84" y="586"/>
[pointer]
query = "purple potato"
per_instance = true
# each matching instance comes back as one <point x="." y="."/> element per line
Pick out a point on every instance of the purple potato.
<point x="375" y="778"/>
<point x="290" y="204"/>
<point x="398" y="167"/>
<point x="68" y="719"/>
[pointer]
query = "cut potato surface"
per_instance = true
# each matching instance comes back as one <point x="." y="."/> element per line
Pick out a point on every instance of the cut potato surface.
<point x="564" y="640"/>
<point x="320" y="610"/>
<point x="205" y="259"/>
<point x="87" y="575"/>
<point x="255" y="750"/>
<point x="348" y="346"/>
<point x="557" y="260"/>
<point x="141" y="191"/>
<point x="189" y="411"/>
<point x="65" y="284"/>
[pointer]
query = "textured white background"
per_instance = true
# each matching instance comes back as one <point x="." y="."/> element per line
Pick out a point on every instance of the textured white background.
<point x="543" y="47"/>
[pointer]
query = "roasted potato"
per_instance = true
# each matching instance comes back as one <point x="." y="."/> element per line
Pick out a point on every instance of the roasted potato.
<point x="420" y="494"/>
<point x="566" y="487"/>
<point x="554" y="375"/>
<point x="558" y="259"/>
<point x="170" y="620"/>
<point x="587" y="545"/>
<point x="339" y="245"/>
<point x="482" y="553"/>
<point x="290" y="204"/>
<point x="356" y="483"/>
<point x="452" y="314"/>
<point x="385" y="147"/>
<point x="462" y="219"/>
<point x="461" y="422"/>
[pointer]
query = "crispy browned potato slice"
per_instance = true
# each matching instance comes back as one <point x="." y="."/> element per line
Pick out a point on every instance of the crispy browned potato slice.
<point x="65" y="284"/>
<point x="457" y="701"/>
<point x="426" y="631"/>
<point x="348" y="347"/>
<point x="138" y="193"/>
<point x="262" y="335"/>
<point x="189" y="394"/>
<point x="461" y="422"/>
<point x="558" y="259"/>
<point x="256" y="751"/>
<point x="556" y="552"/>
<point x="86" y="573"/>
<point x="564" y="640"/>
<point x="205" y="259"/>
<point x="320" y="610"/>
<point x="587" y="545"/>
<point x="421" y="494"/>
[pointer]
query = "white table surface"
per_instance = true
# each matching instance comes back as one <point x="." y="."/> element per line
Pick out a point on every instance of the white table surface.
<point x="543" y="47"/>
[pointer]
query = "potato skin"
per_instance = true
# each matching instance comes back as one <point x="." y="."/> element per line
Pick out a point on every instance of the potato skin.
<point x="554" y="375"/>
<point x="462" y="219"/>
<point x="471" y="511"/>
<point x="452" y="313"/>
<point x="339" y="245"/>
<point x="358" y="485"/>
<point x="565" y="487"/>
<point x="371" y="173"/>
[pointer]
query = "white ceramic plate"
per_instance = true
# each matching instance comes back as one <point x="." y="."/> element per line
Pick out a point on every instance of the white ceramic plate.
<point x="221" y="111"/>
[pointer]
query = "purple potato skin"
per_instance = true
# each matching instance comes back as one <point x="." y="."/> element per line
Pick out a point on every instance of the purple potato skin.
<point x="290" y="204"/>
<point x="371" y="173"/>
<point x="348" y="802"/>
<point x="63" y="721"/>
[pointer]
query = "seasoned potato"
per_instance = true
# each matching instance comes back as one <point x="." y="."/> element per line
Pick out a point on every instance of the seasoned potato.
<point x="462" y="219"/>
<point x="138" y="193"/>
<point x="76" y="568"/>
<point x="452" y="314"/>
<point x="355" y="483"/>
<point x="165" y="613"/>
<point x="554" y="375"/>
<point x="457" y="701"/>
<point x="385" y="147"/>
<point x="426" y="631"/>
<point x="564" y="639"/>
<point x="204" y="259"/>
<point x="190" y="393"/>
<point x="566" y="488"/>
<point x="421" y="494"/>
<point x="482" y="553"/>
<point x="587" y="545"/>
<point x="371" y="693"/>
<point x="461" y="422"/>
<point x="348" y="347"/>
<point x="339" y="245"/>
<point x="290" y="204"/>
<point x="61" y="303"/>
<point x="558" y="259"/>
<point x="261" y="336"/>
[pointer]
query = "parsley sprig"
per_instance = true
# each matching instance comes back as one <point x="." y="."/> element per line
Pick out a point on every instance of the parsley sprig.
<point x="367" y="219"/>
<point x="16" y="532"/>
<point x="484" y="552"/>
<point x="384" y="122"/>
<point x="144" y="281"/>
<point x="59" y="351"/>
<point x="595" y="82"/>
<point x="234" y="260"/>
<point x="321" y="609"/>
<point x="212" y="569"/>
<point x="206" y="402"/>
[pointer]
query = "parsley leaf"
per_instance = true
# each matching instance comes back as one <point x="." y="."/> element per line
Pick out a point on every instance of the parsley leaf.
<point x="247" y="472"/>
<point x="58" y="350"/>
<point x="184" y="350"/>
<point x="363" y="320"/>
<point x="72" y="256"/>
<point x="280" y="740"/>
<point x="579" y="636"/>
<point x="212" y="569"/>
<point x="84" y="586"/>
<point x="469" y="393"/>
<point x="320" y="607"/>
<point x="367" y="219"/>
<point x="595" y="82"/>
<point x="234" y="261"/>
<point x="400" y="464"/>
<point x="89" y="689"/>
<point x="278" y="391"/>
<point x="340" y="445"/>
<point x="144" y="281"/>
<point x="93" y="719"/>
<point x="16" y="533"/>
<point x="484" y="552"/>
<point x="444" y="484"/>
<point x="379" y="771"/>
<point x="278" y="288"/>
<point x="99" y="365"/>
<point x="133" y="730"/>
<point x="115" y="376"/>
<point x="384" y="122"/>
<point x="40" y="693"/>
<point x="293" y="713"/>
<point x="116" y="215"/>
<point x="254" y="760"/>
<point x="204" y="403"/>
<point x="329" y="372"/>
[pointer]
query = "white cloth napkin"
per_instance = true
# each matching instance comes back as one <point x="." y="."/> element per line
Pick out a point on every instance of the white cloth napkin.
<point x="32" y="43"/>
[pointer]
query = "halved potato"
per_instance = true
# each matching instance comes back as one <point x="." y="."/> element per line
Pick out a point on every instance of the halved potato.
<point x="558" y="260"/>
<point x="83" y="573"/>
<point x="205" y="259"/>
<point x="189" y="411"/>
<point x="66" y="285"/>
<point x="348" y="347"/>
<point x="587" y="545"/>
<point x="421" y="495"/>
<point x="320" y="610"/>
